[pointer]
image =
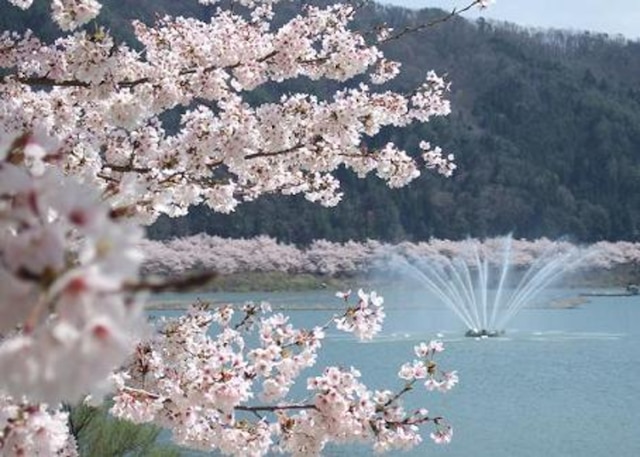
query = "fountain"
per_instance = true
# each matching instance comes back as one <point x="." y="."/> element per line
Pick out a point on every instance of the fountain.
<point x="486" y="303"/>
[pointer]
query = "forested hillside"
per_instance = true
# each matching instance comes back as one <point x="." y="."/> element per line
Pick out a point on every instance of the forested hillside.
<point x="545" y="128"/>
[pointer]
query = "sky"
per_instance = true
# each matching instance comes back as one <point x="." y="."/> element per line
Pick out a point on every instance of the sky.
<point x="609" y="16"/>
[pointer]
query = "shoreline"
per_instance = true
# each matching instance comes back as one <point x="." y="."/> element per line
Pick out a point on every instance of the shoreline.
<point x="618" y="277"/>
<point x="613" y="282"/>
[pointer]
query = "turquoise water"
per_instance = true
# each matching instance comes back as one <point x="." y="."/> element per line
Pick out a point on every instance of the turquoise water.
<point x="562" y="382"/>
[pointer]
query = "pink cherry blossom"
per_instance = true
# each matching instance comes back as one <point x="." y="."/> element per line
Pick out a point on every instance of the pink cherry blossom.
<point x="86" y="158"/>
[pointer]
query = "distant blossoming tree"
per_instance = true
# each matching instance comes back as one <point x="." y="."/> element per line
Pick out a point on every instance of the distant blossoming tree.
<point x="181" y="256"/>
<point x="85" y="156"/>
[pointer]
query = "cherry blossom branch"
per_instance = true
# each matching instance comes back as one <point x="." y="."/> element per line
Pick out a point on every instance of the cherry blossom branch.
<point x="91" y="151"/>
<point x="45" y="81"/>
<point x="249" y="313"/>
<point x="408" y="387"/>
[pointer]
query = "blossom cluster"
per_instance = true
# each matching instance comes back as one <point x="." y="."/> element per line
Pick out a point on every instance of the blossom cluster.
<point x="364" y="319"/>
<point x="27" y="429"/>
<point x="66" y="319"/>
<point x="68" y="14"/>
<point x="198" y="376"/>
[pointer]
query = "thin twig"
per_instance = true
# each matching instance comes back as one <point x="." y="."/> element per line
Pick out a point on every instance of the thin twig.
<point x="416" y="28"/>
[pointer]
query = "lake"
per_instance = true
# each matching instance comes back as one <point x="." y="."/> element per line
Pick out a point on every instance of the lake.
<point x="561" y="382"/>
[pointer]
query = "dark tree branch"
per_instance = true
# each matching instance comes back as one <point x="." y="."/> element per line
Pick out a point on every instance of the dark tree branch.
<point x="181" y="284"/>
<point x="274" y="408"/>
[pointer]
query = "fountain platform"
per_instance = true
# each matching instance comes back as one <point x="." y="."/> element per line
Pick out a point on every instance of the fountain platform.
<point x="473" y="333"/>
